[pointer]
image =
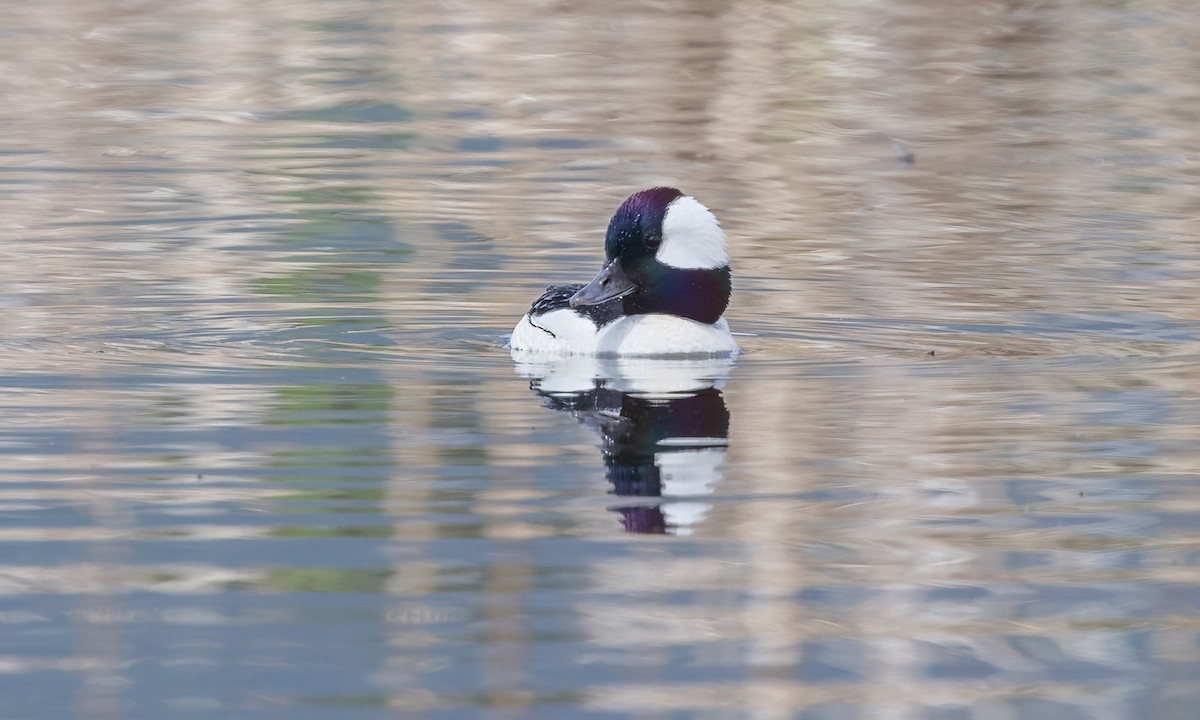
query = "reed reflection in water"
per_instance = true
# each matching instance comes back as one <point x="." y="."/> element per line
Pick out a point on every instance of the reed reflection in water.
<point x="265" y="456"/>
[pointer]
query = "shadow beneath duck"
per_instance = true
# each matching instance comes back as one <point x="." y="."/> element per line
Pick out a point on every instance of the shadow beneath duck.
<point x="663" y="427"/>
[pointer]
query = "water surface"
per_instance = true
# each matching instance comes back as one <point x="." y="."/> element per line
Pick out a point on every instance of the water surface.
<point x="265" y="455"/>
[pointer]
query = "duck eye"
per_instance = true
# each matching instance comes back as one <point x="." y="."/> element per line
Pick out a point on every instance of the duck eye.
<point x="653" y="241"/>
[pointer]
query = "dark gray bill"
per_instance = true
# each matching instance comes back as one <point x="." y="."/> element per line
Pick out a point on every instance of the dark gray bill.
<point x="611" y="282"/>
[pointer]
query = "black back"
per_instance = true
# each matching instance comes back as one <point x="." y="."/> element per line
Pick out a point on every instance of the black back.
<point x="557" y="297"/>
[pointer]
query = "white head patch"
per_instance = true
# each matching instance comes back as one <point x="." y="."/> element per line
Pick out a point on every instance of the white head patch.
<point x="692" y="237"/>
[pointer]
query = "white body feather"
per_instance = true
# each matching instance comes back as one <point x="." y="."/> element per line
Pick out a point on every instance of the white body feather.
<point x="560" y="332"/>
<point x="564" y="332"/>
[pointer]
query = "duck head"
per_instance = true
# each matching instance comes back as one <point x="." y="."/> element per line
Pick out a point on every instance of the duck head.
<point x="664" y="253"/>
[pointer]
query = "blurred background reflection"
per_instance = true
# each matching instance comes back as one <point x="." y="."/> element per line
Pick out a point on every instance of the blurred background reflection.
<point x="265" y="455"/>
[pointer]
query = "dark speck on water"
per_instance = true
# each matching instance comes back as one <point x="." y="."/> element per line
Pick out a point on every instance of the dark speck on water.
<point x="307" y="481"/>
<point x="904" y="156"/>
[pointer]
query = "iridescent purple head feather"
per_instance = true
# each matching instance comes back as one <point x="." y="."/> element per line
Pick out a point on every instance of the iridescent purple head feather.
<point x="641" y="215"/>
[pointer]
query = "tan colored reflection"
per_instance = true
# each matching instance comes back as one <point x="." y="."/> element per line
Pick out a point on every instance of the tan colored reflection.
<point x="1055" y="163"/>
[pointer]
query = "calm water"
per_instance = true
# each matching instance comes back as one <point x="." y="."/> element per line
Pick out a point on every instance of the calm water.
<point x="264" y="455"/>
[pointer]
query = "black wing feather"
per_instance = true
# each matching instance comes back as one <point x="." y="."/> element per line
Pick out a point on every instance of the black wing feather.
<point x="557" y="297"/>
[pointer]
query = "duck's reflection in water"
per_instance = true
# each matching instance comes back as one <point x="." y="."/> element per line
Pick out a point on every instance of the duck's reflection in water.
<point x="663" y="425"/>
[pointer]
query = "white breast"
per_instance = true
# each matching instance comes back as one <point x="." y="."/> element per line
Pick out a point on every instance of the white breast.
<point x="561" y="332"/>
<point x="564" y="332"/>
<point x="655" y="334"/>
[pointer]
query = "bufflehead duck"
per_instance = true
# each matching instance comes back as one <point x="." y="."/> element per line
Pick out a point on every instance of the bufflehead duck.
<point x="662" y="291"/>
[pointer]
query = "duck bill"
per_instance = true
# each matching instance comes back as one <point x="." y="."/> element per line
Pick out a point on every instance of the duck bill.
<point x="610" y="283"/>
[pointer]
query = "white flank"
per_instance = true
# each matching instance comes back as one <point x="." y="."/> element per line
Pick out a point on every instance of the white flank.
<point x="692" y="237"/>
<point x="656" y="334"/>
<point x="562" y="332"/>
